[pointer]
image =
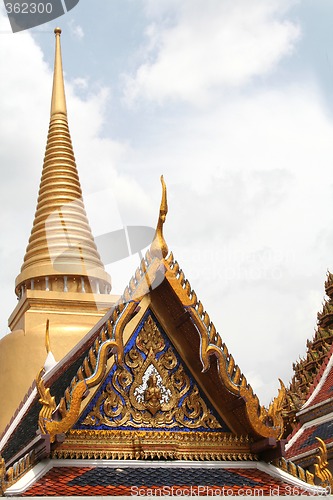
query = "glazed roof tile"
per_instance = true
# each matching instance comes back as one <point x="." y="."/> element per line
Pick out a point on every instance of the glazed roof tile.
<point x="315" y="410"/>
<point x="72" y="368"/>
<point x="118" y="481"/>
<point x="306" y="440"/>
<point x="322" y="387"/>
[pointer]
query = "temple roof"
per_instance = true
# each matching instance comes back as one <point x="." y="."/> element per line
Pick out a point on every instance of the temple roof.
<point x="322" y="388"/>
<point x="109" y="478"/>
<point x="303" y="445"/>
<point x="315" y="418"/>
<point x="151" y="397"/>
<point x="164" y="287"/>
<point x="308" y="370"/>
<point x="61" y="242"/>
<point x="158" y="290"/>
<point x="160" y="286"/>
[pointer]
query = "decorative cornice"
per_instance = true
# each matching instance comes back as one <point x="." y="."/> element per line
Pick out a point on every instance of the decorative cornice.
<point x="144" y="445"/>
<point x="294" y="470"/>
<point x="15" y="472"/>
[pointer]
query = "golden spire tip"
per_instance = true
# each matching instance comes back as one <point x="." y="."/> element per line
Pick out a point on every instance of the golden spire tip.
<point x="159" y="248"/>
<point x="58" y="104"/>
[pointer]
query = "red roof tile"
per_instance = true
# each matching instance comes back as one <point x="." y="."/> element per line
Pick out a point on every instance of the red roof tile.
<point x="326" y="390"/>
<point x="103" y="481"/>
<point x="307" y="440"/>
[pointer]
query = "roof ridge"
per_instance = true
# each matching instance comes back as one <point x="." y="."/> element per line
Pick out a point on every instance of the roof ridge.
<point x="320" y="373"/>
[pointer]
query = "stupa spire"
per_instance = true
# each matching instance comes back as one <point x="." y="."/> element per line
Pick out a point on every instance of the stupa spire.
<point x="61" y="254"/>
<point x="58" y="103"/>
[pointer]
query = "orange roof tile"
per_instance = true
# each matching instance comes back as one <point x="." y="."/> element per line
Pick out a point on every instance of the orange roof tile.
<point x="106" y="481"/>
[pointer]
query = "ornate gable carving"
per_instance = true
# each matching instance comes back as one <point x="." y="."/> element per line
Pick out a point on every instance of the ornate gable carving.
<point x="151" y="391"/>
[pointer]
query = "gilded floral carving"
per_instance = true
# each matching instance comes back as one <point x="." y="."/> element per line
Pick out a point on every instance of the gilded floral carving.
<point x="151" y="390"/>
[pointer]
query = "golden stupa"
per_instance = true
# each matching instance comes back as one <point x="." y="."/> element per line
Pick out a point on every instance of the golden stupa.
<point x="62" y="278"/>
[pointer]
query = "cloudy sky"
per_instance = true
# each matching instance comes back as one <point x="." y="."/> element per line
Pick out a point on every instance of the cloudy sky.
<point x="232" y="101"/>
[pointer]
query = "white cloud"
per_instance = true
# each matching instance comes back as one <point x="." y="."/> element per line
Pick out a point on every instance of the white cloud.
<point x="80" y="83"/>
<point x="76" y="30"/>
<point x="250" y="200"/>
<point x="249" y="174"/>
<point x="205" y="46"/>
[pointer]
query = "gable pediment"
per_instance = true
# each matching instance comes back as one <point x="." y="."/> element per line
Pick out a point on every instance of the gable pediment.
<point x="158" y="374"/>
<point x="151" y="390"/>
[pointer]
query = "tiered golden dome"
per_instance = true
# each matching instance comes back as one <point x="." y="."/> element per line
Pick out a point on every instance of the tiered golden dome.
<point x="61" y="254"/>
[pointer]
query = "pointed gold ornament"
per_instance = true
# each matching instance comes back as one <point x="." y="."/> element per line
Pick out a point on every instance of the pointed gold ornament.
<point x="159" y="248"/>
<point x="322" y="471"/>
<point x="47" y="401"/>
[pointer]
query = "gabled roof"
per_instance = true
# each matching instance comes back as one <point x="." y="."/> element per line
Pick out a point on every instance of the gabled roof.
<point x="100" y="401"/>
<point x="188" y="326"/>
<point x="159" y="289"/>
<point x="303" y="445"/>
<point x="118" y="478"/>
<point x="308" y="369"/>
<point x="321" y="390"/>
<point x="315" y="417"/>
<point x="160" y="286"/>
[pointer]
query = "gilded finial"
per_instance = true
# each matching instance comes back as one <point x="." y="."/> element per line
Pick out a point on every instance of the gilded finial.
<point x="50" y="361"/>
<point x="58" y="104"/>
<point x="47" y="401"/>
<point x="321" y="465"/>
<point x="159" y="247"/>
<point x="47" y="336"/>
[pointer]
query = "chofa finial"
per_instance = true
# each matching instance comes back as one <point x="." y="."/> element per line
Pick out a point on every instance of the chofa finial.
<point x="159" y="248"/>
<point x="50" y="361"/>
<point x="321" y="468"/>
